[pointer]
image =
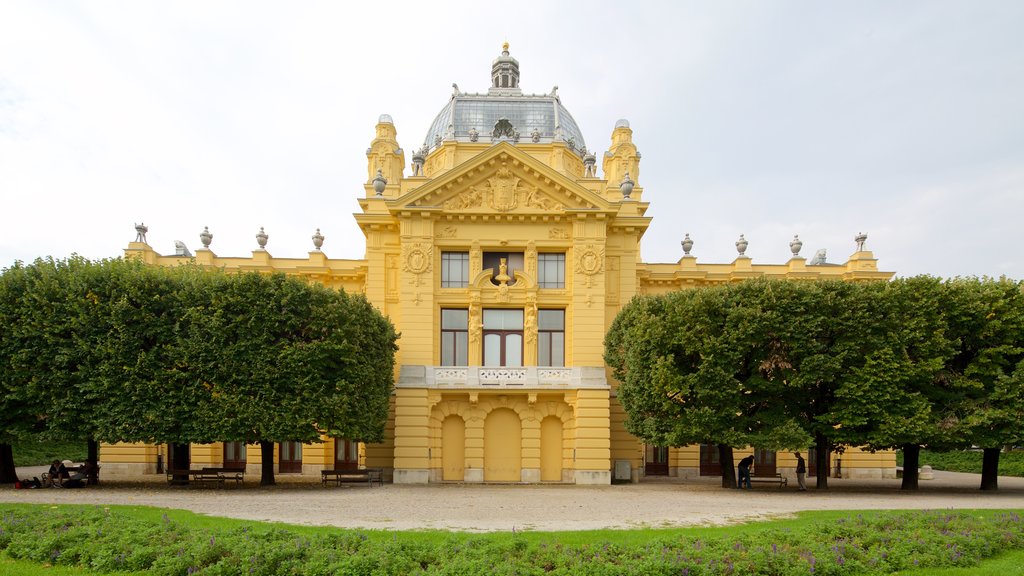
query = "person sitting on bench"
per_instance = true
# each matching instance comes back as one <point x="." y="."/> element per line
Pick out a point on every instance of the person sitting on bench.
<point x="57" y="474"/>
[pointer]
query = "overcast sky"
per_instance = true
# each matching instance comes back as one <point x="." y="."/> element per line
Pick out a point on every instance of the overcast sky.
<point x="904" y="120"/>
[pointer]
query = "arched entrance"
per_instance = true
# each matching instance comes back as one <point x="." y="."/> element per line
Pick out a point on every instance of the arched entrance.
<point x="453" y="449"/>
<point x="551" y="449"/>
<point x="502" y="446"/>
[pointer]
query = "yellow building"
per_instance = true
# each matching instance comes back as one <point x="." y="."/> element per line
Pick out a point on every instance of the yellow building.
<point x="502" y="259"/>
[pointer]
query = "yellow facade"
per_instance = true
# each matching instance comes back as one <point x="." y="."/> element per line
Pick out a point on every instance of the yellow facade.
<point x="483" y="391"/>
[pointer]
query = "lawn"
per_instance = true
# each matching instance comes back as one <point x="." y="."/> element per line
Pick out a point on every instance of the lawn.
<point x="32" y="452"/>
<point x="123" y="539"/>
<point x="1010" y="463"/>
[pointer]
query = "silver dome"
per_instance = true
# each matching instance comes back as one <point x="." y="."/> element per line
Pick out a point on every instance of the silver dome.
<point x="531" y="117"/>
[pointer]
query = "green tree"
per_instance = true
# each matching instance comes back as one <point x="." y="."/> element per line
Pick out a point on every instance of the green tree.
<point x="895" y="398"/>
<point x="828" y="331"/>
<point x="695" y="367"/>
<point x="19" y="410"/>
<point x="986" y="323"/>
<point x="276" y="359"/>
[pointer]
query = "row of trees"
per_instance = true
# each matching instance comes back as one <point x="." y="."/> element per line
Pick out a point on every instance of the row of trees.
<point x="117" y="351"/>
<point x="785" y="365"/>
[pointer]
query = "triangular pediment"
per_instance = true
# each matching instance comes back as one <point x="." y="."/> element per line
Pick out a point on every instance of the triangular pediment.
<point x="501" y="180"/>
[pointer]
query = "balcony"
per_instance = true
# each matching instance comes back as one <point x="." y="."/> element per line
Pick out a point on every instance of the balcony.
<point x="497" y="377"/>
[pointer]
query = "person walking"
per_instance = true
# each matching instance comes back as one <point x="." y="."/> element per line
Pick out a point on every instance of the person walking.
<point x="744" y="468"/>
<point x="801" y="471"/>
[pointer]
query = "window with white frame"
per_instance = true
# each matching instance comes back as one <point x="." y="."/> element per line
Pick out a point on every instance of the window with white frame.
<point x="551" y="337"/>
<point x="503" y="337"/>
<point x="454" y="269"/>
<point x="551" y="270"/>
<point x="454" y="337"/>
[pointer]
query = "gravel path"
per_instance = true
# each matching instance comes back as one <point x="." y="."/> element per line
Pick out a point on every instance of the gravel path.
<point x="474" y="507"/>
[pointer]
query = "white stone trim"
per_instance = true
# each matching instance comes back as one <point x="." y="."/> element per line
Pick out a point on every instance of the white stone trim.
<point x="501" y="377"/>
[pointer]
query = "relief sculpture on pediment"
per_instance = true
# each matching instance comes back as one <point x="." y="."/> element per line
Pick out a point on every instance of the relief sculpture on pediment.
<point x="503" y="192"/>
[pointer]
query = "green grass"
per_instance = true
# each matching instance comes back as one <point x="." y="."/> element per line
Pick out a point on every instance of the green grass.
<point x="32" y="452"/>
<point x="169" y="541"/>
<point x="1006" y="564"/>
<point x="1010" y="463"/>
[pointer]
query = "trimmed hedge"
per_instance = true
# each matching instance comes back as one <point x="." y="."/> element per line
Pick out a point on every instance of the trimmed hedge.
<point x="1010" y="463"/>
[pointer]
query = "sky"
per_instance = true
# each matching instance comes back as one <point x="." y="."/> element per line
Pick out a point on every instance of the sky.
<point x="903" y="120"/>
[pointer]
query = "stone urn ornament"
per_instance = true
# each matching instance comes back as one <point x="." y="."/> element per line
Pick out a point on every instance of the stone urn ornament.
<point x="318" y="240"/>
<point x="687" y="244"/>
<point x="741" y="246"/>
<point x="795" y="245"/>
<point x="626" y="186"/>
<point x="206" y="237"/>
<point x="379" y="182"/>
<point x="262" y="238"/>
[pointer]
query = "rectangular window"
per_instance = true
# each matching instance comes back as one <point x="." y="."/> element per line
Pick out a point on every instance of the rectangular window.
<point x="454" y="269"/>
<point x="551" y="270"/>
<point x="513" y="261"/>
<point x="234" y="455"/>
<point x="551" y="337"/>
<point x="503" y="338"/>
<point x="455" y="337"/>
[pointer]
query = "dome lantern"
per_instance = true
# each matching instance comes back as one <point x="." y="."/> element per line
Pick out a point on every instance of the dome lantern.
<point x="505" y="71"/>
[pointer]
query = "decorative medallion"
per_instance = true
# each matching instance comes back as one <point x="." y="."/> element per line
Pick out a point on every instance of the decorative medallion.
<point x="416" y="259"/>
<point x="590" y="262"/>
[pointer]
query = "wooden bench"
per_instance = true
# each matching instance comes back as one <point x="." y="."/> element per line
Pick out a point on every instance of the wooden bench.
<point x="207" y="476"/>
<point x="236" y="474"/>
<point x="777" y="479"/>
<point x="197" y="477"/>
<point x="368" y="475"/>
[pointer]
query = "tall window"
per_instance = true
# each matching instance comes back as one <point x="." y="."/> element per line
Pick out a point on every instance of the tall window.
<point x="551" y="337"/>
<point x="454" y="269"/>
<point x="513" y="262"/>
<point x="346" y="454"/>
<point x="551" y="270"/>
<point x="503" y="337"/>
<point x="234" y="455"/>
<point x="454" y="337"/>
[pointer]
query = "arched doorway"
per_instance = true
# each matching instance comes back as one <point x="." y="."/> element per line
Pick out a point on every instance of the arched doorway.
<point x="502" y="446"/>
<point x="453" y="449"/>
<point x="551" y="449"/>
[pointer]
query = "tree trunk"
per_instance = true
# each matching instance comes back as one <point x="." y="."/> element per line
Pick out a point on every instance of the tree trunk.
<point x="267" y="467"/>
<point x="911" y="462"/>
<point x="8" y="474"/>
<point x="822" y="450"/>
<point x="180" y="462"/>
<point x="728" y="470"/>
<point x="92" y="469"/>
<point x="990" y="469"/>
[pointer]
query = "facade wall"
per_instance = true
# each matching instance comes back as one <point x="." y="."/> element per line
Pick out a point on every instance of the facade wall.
<point x="528" y="200"/>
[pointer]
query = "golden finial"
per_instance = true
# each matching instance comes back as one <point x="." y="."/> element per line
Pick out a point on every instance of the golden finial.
<point x="505" y="46"/>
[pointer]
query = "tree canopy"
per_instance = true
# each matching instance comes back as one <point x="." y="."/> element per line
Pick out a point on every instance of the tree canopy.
<point x="118" y="351"/>
<point x="784" y="364"/>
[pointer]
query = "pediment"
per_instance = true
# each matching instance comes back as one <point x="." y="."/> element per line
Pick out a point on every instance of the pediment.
<point x="502" y="180"/>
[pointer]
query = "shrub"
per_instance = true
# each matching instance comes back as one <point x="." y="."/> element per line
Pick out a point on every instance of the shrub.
<point x="876" y="543"/>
